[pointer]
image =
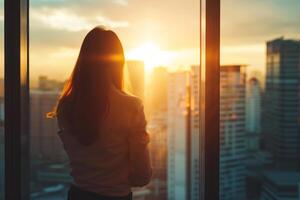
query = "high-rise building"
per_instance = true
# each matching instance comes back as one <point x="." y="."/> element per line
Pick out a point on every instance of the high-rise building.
<point x="156" y="111"/>
<point x="177" y="134"/>
<point x="195" y="133"/>
<point x="281" y="103"/>
<point x="280" y="120"/>
<point x="157" y="128"/>
<point x="232" y="132"/>
<point x="253" y="105"/>
<point x="253" y="114"/>
<point x="255" y="157"/>
<point x="135" y="82"/>
<point x="184" y="135"/>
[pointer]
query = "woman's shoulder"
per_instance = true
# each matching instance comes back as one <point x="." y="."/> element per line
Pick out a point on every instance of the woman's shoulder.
<point x="128" y="99"/>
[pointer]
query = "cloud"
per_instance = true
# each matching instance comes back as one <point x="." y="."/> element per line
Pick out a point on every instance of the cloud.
<point x="257" y="48"/>
<point x="121" y="2"/>
<point x="244" y="22"/>
<point x="247" y="25"/>
<point x="63" y="19"/>
<point x="112" y="24"/>
<point x="58" y="3"/>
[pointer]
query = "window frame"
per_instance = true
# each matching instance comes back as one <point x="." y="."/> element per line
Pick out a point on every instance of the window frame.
<point x="16" y="50"/>
<point x="210" y="66"/>
<point x="16" y="95"/>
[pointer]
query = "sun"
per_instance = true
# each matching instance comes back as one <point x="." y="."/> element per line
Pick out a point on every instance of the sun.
<point x="151" y="55"/>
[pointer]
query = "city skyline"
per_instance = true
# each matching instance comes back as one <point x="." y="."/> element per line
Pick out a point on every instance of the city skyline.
<point x="239" y="160"/>
<point x="259" y="93"/>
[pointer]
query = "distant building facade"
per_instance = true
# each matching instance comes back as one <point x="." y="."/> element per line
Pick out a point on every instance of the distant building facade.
<point x="253" y="115"/>
<point x="232" y="132"/>
<point x="253" y="106"/>
<point x="282" y="103"/>
<point x="280" y="120"/>
<point x="177" y="126"/>
<point x="157" y="128"/>
<point x="156" y="112"/>
<point x="195" y="138"/>
<point x="184" y="135"/>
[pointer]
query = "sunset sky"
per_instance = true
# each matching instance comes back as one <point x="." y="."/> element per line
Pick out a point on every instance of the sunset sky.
<point x="247" y="25"/>
<point x="166" y="31"/>
<point x="161" y="32"/>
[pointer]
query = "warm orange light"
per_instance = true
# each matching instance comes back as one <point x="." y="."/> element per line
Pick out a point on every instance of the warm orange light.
<point x="151" y="54"/>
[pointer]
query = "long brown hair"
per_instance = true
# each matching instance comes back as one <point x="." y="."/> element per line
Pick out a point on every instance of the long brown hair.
<point x="84" y="102"/>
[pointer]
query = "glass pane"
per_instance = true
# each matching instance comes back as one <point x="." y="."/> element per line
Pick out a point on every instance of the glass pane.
<point x="162" y="47"/>
<point x="2" y="162"/>
<point x="260" y="79"/>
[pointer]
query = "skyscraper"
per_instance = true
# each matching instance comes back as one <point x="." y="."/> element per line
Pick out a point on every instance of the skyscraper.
<point x="282" y="103"/>
<point x="177" y="131"/>
<point x="195" y="132"/>
<point x="255" y="157"/>
<point x="253" y="107"/>
<point x="156" y="104"/>
<point x="232" y="132"/>
<point x="183" y="135"/>
<point x="280" y="120"/>
<point x="136" y="78"/>
<point x="253" y="113"/>
<point x="157" y="128"/>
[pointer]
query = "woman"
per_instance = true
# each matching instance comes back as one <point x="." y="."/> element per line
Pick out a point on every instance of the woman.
<point x="101" y="127"/>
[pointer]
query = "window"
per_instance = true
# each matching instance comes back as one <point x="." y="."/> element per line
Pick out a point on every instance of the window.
<point x="51" y="26"/>
<point x="161" y="43"/>
<point x="259" y="95"/>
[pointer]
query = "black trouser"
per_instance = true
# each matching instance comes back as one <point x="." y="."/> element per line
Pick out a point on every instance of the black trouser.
<point x="76" y="193"/>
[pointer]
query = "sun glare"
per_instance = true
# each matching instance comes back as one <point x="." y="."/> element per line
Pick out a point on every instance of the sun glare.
<point x="151" y="54"/>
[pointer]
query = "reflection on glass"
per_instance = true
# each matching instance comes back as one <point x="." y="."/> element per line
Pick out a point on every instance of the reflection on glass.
<point x="260" y="132"/>
<point x="161" y="43"/>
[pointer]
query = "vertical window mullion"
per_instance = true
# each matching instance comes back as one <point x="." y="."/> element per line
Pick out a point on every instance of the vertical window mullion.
<point x="212" y="97"/>
<point x="16" y="100"/>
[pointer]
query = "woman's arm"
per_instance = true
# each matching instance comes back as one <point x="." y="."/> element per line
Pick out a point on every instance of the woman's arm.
<point x="140" y="164"/>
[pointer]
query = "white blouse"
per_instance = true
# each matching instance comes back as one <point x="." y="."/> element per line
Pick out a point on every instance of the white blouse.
<point x="119" y="159"/>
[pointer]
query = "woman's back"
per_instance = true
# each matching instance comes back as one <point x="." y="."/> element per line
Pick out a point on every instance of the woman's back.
<point x="119" y="158"/>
